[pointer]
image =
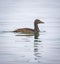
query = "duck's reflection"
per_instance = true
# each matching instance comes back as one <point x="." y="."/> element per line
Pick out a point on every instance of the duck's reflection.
<point x="37" y="52"/>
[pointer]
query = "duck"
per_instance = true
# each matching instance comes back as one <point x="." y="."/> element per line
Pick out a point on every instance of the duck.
<point x="29" y="30"/>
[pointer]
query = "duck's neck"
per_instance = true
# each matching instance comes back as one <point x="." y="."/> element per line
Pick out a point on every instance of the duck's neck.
<point x="36" y="29"/>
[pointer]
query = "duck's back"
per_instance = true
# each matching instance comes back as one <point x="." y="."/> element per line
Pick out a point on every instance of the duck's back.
<point x="25" y="30"/>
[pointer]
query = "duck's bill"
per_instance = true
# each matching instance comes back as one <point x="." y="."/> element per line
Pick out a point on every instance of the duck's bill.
<point x="41" y="22"/>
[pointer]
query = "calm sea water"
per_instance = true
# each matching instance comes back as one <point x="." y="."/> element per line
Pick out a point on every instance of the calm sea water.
<point x="25" y="49"/>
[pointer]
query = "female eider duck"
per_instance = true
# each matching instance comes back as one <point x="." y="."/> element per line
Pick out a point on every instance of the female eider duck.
<point x="29" y="30"/>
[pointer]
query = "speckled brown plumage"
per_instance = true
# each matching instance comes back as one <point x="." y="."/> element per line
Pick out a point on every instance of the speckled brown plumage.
<point x="29" y="30"/>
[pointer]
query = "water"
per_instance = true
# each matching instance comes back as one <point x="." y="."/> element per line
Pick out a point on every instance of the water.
<point x="16" y="49"/>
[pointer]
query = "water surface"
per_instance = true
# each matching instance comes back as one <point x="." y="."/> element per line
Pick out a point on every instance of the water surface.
<point x="26" y="49"/>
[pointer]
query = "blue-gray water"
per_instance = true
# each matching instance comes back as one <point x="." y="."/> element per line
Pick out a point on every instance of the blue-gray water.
<point x="25" y="49"/>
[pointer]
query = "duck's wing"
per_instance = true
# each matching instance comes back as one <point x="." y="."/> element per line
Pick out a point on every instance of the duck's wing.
<point x="25" y="30"/>
<point x="29" y="29"/>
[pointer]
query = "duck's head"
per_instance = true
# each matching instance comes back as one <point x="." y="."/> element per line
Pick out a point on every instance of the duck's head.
<point x="37" y="21"/>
